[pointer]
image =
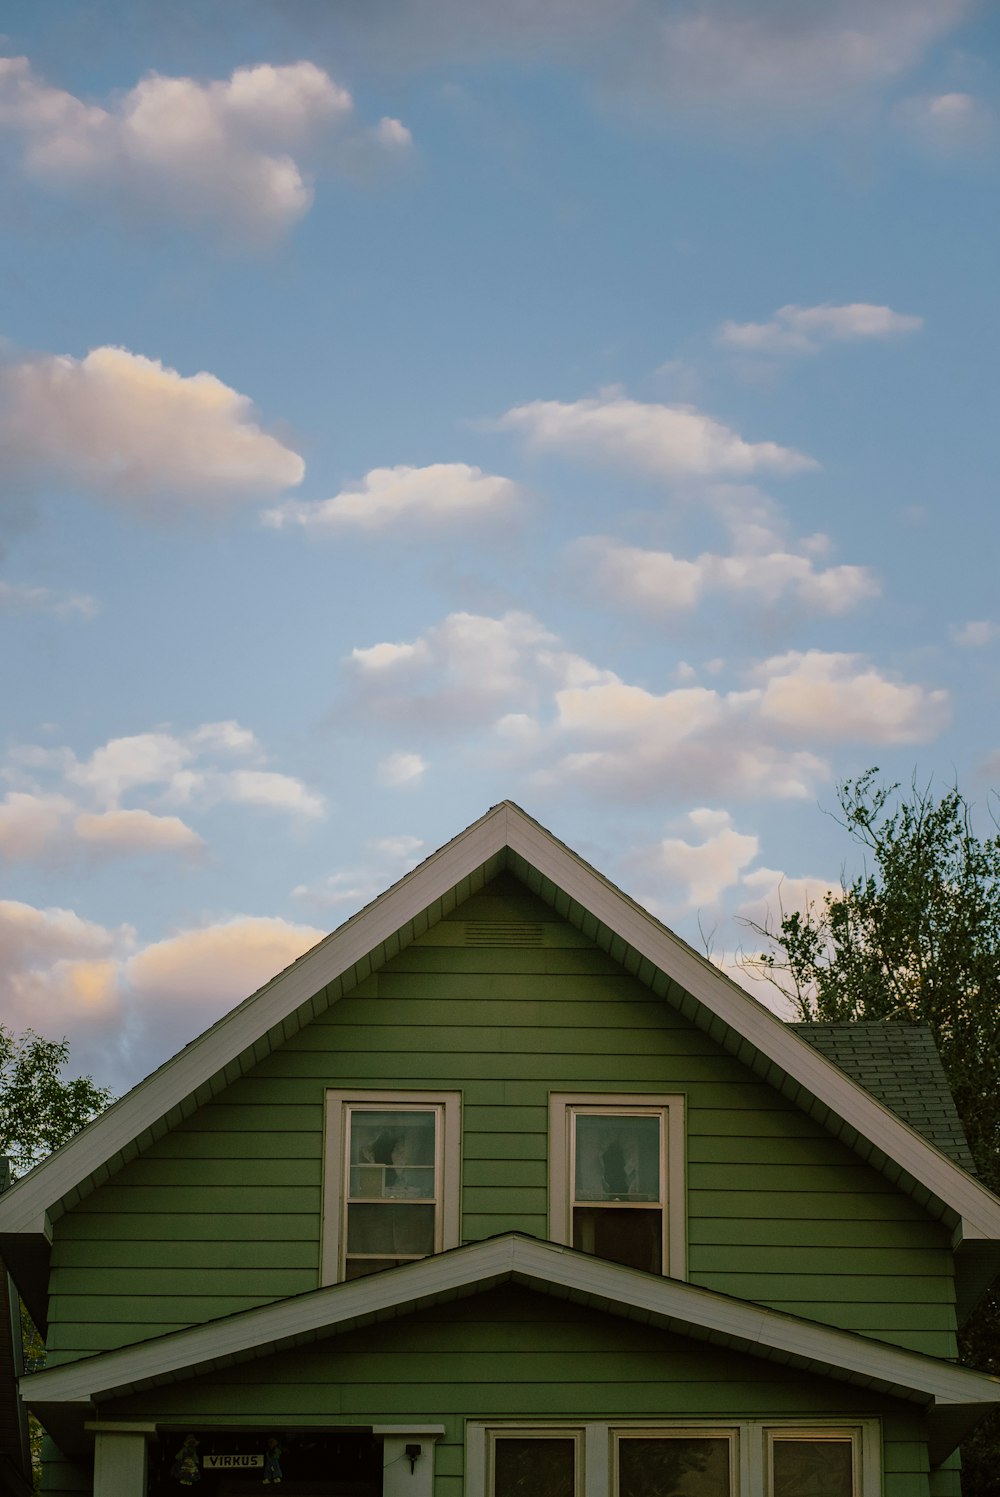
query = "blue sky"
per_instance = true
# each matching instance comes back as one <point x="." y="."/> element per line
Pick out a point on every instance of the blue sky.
<point x="409" y="406"/>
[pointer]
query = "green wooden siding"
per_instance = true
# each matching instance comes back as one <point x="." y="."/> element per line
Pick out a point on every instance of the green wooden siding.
<point x="515" y="1355"/>
<point x="223" y="1214"/>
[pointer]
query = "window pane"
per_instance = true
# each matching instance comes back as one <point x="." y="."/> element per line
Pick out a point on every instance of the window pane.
<point x="390" y="1229"/>
<point x="392" y="1154"/>
<point x="617" y="1158"/>
<point x="688" y="1466"/>
<point x="632" y="1238"/>
<point x="534" y="1468"/>
<point x="813" y="1468"/>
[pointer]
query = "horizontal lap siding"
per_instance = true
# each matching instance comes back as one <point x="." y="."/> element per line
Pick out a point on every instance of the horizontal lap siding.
<point x="224" y="1213"/>
<point x="514" y="1355"/>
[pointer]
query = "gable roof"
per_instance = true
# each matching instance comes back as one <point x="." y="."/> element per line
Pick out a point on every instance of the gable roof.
<point x="504" y="838"/>
<point x="898" y="1063"/>
<point x="954" y="1398"/>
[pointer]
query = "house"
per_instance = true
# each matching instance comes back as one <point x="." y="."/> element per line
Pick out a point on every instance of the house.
<point x="503" y="1191"/>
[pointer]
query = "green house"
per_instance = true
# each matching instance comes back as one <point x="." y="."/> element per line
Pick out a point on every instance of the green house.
<point x="503" y="1191"/>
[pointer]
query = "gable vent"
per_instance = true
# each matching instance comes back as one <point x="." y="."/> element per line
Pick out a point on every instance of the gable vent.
<point x="504" y="933"/>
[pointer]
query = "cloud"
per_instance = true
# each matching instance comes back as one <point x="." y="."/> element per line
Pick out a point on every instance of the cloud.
<point x="17" y="598"/>
<point x="948" y="125"/>
<point x="30" y="824"/>
<point x="663" y="441"/>
<point x="833" y="697"/>
<point x="724" y="60"/>
<point x="771" y="56"/>
<point x="807" y="329"/>
<point x="388" y="858"/>
<point x="565" y="722"/>
<point x="699" y="872"/>
<point x="59" y="972"/>
<point x="974" y="634"/>
<point x="130" y="430"/>
<point x="659" y="583"/>
<point x="279" y="792"/>
<point x="135" y="832"/>
<point x="125" y="1007"/>
<point x="465" y="670"/>
<point x="399" y="769"/>
<point x="227" y="155"/>
<point x="389" y="497"/>
<point x="62" y="806"/>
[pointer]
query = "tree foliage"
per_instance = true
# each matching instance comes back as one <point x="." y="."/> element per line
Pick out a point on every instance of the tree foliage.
<point x="915" y="936"/>
<point x="39" y="1110"/>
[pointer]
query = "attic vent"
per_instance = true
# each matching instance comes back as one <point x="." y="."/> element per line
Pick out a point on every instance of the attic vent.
<point x="504" y="933"/>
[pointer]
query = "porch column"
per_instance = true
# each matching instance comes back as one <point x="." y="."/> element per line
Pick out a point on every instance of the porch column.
<point x="406" y="1475"/>
<point x="120" y="1460"/>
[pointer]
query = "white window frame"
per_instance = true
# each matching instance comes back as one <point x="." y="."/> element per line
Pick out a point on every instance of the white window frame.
<point x="563" y="1107"/>
<point x="335" y="1176"/>
<point x="751" y="1442"/>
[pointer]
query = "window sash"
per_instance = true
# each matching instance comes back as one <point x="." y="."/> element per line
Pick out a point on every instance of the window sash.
<point x="569" y="1205"/>
<point x="359" y="1187"/>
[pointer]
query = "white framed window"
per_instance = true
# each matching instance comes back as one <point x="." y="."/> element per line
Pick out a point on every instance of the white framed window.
<point x="658" y="1462"/>
<point x="616" y="1178"/>
<point x="697" y="1458"/>
<point x="828" y="1462"/>
<point x="391" y="1190"/>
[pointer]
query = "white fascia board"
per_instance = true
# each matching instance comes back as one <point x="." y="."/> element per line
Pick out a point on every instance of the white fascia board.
<point x="746" y="1017"/>
<point x="543" y="1267"/>
<point x="23" y="1207"/>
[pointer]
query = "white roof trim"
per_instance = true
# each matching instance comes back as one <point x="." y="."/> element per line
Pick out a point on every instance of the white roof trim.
<point x="545" y="1267"/>
<point x="25" y="1206"/>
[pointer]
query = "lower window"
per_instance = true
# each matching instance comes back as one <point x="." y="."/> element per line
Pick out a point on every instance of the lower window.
<point x="745" y="1458"/>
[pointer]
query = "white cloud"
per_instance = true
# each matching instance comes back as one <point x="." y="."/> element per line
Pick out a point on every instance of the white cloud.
<point x="466" y="670"/>
<point x="119" y="832"/>
<point x="30" y="824"/>
<point x="125" y="1009"/>
<point x="278" y="792"/>
<point x="699" y="872"/>
<point x="121" y="764"/>
<point x="226" y="154"/>
<point x="401" y="768"/>
<point x="948" y="125"/>
<point x="213" y="967"/>
<point x="833" y="697"/>
<point x="974" y="634"/>
<point x="658" y="582"/>
<point x="18" y="598"/>
<point x="62" y="806"/>
<point x="391" y="497"/>
<point x="133" y="431"/>
<point x="806" y="329"/>
<point x="665" y="441"/>
<point x="565" y="721"/>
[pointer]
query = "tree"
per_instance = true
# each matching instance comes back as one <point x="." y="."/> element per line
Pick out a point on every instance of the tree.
<point x="916" y="937"/>
<point x="38" y="1109"/>
<point x="38" y="1112"/>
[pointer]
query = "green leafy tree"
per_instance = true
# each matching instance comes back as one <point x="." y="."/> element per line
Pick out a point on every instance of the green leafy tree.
<point x="39" y="1110"/>
<point x="915" y="937"/>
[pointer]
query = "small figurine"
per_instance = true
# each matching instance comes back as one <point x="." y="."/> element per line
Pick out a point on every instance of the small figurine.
<point x="272" y="1464"/>
<point x="185" y="1468"/>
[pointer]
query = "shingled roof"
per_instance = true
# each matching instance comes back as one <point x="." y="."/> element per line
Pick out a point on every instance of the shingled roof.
<point x="899" y="1064"/>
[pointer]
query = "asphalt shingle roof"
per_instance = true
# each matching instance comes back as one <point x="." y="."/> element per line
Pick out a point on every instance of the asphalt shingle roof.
<point x="900" y="1066"/>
